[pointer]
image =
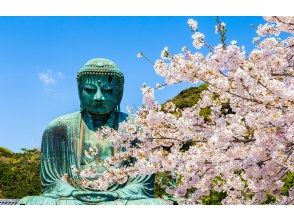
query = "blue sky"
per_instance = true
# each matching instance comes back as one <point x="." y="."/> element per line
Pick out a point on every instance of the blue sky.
<point x="40" y="56"/>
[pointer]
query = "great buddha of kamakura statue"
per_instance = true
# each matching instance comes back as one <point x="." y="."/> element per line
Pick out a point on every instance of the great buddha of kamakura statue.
<point x="100" y="85"/>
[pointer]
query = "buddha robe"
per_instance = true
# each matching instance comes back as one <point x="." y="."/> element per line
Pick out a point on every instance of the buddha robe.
<point x="60" y="150"/>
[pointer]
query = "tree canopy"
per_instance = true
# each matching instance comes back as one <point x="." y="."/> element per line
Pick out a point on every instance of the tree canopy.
<point x="19" y="173"/>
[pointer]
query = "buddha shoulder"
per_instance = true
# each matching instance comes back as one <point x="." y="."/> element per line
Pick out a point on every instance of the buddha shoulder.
<point x="68" y="120"/>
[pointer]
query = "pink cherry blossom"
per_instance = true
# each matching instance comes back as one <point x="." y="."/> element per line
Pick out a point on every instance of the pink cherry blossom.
<point x="245" y="150"/>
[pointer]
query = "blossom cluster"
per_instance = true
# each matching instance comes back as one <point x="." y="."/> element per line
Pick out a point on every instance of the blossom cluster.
<point x="245" y="152"/>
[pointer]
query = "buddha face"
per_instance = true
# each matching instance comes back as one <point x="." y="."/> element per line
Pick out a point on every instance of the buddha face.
<point x="100" y="94"/>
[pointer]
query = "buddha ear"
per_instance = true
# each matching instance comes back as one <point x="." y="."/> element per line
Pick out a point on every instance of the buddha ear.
<point x="120" y="97"/>
<point x="117" y="109"/>
<point x="121" y="88"/>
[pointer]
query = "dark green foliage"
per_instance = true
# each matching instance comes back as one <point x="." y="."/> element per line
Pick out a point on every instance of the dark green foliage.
<point x="270" y="199"/>
<point x="191" y="96"/>
<point x="4" y="152"/>
<point x="226" y="109"/>
<point x="205" y="112"/>
<point x="160" y="184"/>
<point x="186" y="146"/>
<point x="164" y="180"/>
<point x="218" y="181"/>
<point x="214" y="198"/>
<point x="289" y="183"/>
<point x="188" y="97"/>
<point x="19" y="173"/>
<point x="1" y="195"/>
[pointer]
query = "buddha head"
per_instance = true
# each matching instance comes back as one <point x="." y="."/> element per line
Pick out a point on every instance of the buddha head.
<point x="100" y="84"/>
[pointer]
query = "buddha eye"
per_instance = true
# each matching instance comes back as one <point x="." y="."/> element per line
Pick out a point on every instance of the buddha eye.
<point x="107" y="89"/>
<point x="90" y="90"/>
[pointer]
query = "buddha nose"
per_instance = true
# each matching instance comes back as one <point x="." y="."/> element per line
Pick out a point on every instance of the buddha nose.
<point x="99" y="96"/>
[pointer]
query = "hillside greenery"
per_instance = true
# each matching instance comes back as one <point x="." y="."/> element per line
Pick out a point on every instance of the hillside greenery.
<point x="19" y="173"/>
<point x="188" y="97"/>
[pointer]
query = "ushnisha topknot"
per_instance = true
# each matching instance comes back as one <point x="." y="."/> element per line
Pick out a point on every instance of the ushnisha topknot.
<point x="100" y="66"/>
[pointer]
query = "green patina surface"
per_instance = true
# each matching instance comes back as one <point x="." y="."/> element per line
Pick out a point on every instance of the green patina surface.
<point x="100" y="85"/>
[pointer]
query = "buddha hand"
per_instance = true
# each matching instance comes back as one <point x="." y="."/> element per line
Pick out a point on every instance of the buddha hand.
<point x="60" y="189"/>
<point x="94" y="197"/>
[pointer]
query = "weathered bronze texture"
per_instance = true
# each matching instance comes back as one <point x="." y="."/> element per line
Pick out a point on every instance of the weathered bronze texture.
<point x="100" y="85"/>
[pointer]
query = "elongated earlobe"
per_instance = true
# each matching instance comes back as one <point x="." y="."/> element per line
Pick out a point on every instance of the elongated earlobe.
<point x="117" y="109"/>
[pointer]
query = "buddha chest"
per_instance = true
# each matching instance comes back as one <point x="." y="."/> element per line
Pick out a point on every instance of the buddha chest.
<point x="94" y="150"/>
